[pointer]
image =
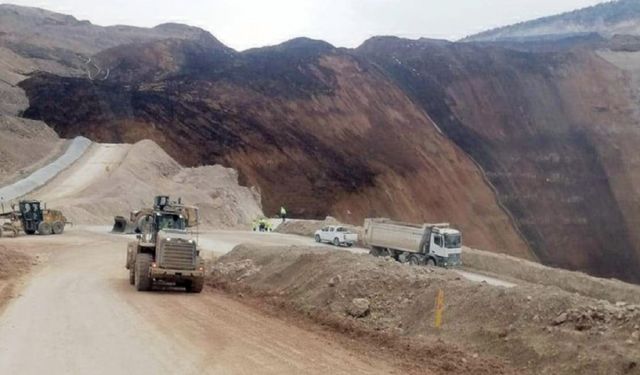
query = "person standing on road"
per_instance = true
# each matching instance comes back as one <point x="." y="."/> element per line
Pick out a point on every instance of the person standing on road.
<point x="283" y="213"/>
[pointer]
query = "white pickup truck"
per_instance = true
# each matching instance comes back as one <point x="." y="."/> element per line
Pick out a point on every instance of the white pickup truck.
<point x="336" y="235"/>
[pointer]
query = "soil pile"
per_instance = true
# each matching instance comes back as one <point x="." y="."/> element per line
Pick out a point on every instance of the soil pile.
<point x="12" y="265"/>
<point x="574" y="282"/>
<point x="116" y="179"/>
<point x="537" y="329"/>
<point x="305" y="228"/>
<point x="25" y="146"/>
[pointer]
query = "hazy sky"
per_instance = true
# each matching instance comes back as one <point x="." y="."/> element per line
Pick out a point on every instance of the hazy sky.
<point x="243" y="24"/>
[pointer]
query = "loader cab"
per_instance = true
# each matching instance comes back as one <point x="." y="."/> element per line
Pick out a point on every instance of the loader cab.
<point x="31" y="213"/>
<point x="170" y="221"/>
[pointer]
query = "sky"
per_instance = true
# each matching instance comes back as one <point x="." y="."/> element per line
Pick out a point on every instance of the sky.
<point x="243" y="24"/>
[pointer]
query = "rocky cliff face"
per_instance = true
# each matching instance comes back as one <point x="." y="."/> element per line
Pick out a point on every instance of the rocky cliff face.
<point x="556" y="134"/>
<point x="319" y="130"/>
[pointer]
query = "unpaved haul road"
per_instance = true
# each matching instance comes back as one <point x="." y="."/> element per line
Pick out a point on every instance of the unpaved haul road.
<point x="77" y="314"/>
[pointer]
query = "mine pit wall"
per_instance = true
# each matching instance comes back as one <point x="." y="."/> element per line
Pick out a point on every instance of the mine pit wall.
<point x="362" y="149"/>
<point x="555" y="134"/>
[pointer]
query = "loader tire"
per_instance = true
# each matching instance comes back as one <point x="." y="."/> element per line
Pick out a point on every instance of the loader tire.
<point x="44" y="228"/>
<point x="57" y="227"/>
<point x="141" y="279"/>
<point x="132" y="276"/>
<point x="196" y="285"/>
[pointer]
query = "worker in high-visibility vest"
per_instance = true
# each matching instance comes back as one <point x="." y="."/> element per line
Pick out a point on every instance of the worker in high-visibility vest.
<point x="283" y="213"/>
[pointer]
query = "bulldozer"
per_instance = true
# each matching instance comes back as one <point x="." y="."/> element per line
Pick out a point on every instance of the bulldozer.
<point x="166" y="253"/>
<point x="134" y="224"/>
<point x="32" y="217"/>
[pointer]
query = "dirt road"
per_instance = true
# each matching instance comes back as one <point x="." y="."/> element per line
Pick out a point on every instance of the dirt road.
<point x="78" y="315"/>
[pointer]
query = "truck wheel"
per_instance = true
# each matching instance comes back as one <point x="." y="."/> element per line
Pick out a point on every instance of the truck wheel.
<point x="318" y="238"/>
<point x="414" y="260"/>
<point x="132" y="276"/>
<point x="196" y="285"/>
<point x="431" y="262"/>
<point x="44" y="228"/>
<point x="336" y="242"/>
<point x="58" y="227"/>
<point x="375" y="251"/>
<point x="142" y="279"/>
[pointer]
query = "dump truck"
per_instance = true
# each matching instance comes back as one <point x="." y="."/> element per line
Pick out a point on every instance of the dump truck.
<point x="166" y="252"/>
<point x="32" y="217"/>
<point x="137" y="218"/>
<point x="425" y="244"/>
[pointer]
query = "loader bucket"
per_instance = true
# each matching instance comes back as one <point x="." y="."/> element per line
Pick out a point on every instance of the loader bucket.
<point x="121" y="225"/>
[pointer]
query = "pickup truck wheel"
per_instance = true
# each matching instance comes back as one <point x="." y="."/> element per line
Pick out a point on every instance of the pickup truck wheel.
<point x="142" y="279"/>
<point x="349" y="244"/>
<point x="318" y="238"/>
<point x="431" y="262"/>
<point x="336" y="241"/>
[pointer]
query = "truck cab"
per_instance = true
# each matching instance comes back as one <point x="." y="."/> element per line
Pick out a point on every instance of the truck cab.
<point x="443" y="246"/>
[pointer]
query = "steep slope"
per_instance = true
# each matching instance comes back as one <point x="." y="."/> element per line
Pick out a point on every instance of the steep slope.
<point x="607" y="19"/>
<point x="317" y="129"/>
<point x="556" y="133"/>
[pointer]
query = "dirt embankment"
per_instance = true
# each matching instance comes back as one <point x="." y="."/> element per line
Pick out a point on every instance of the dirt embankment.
<point x="12" y="265"/>
<point x="116" y="179"/>
<point x="532" y="328"/>
<point x="305" y="228"/>
<point x="506" y="266"/>
<point x="570" y="281"/>
<point x="25" y="146"/>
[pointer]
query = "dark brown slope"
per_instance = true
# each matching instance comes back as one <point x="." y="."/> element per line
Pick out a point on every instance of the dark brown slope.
<point x="556" y="133"/>
<point x="317" y="129"/>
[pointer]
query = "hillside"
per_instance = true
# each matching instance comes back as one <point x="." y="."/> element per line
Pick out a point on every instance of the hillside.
<point x="607" y="19"/>
<point x="529" y="148"/>
<point x="306" y="123"/>
<point x="556" y="134"/>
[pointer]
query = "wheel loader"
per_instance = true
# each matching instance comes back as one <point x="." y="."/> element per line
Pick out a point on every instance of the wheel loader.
<point x="166" y="252"/>
<point x="134" y="225"/>
<point x="32" y="217"/>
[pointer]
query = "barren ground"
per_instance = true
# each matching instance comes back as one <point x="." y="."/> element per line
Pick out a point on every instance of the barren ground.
<point x="78" y="315"/>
